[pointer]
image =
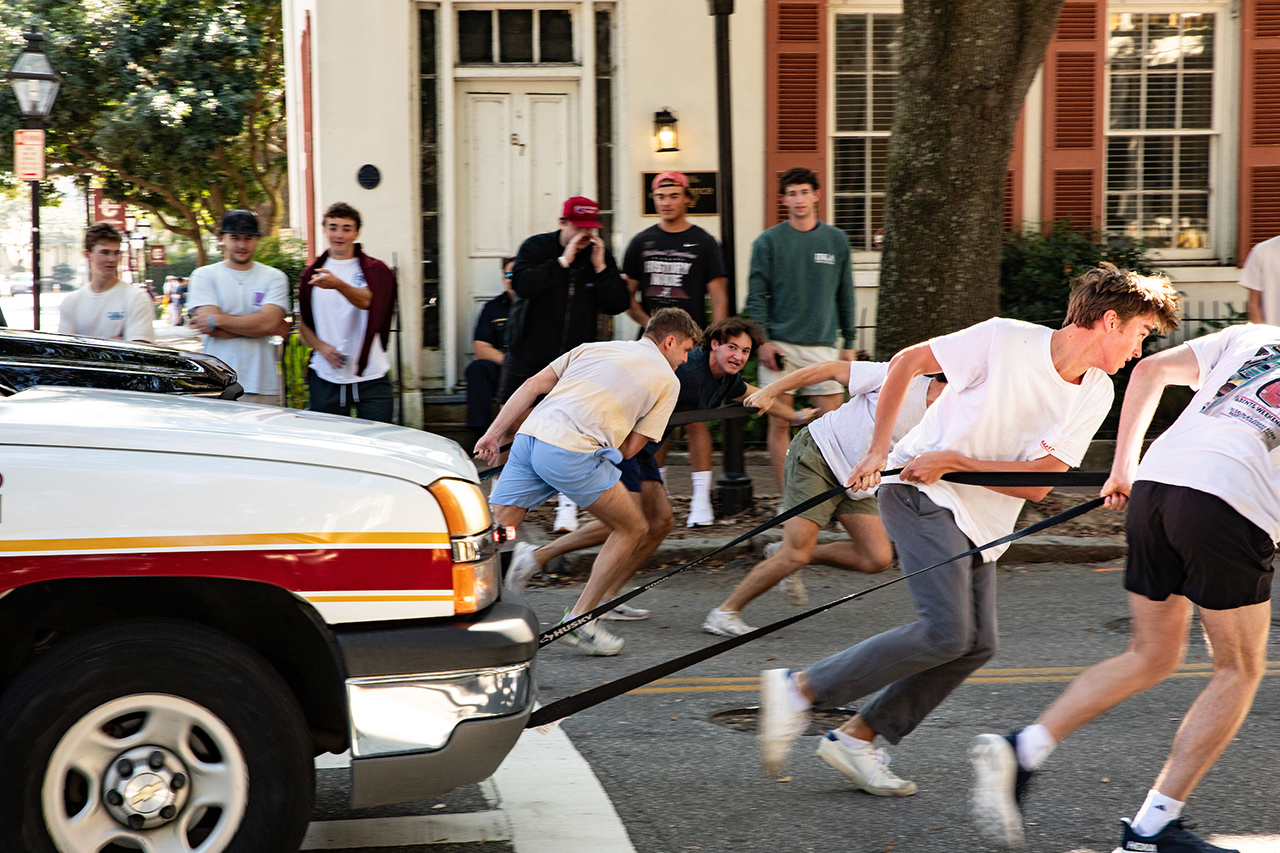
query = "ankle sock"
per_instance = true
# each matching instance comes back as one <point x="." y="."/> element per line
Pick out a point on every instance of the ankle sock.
<point x="662" y="472"/>
<point x="1156" y="813"/>
<point x="701" y="486"/>
<point x="1034" y="745"/>
<point x="851" y="741"/>
<point x="794" y="696"/>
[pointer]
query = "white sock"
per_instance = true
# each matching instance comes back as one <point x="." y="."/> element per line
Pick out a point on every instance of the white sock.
<point x="662" y="472"/>
<point x="1034" y="745"/>
<point x="1156" y="813"/>
<point x="851" y="741"/>
<point x="794" y="696"/>
<point x="701" y="486"/>
<point x="565" y="503"/>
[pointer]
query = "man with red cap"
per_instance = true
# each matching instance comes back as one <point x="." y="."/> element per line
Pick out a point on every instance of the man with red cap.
<point x="564" y="280"/>
<point x="676" y="264"/>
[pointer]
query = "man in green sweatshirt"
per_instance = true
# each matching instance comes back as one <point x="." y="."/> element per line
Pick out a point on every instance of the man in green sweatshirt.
<point x="801" y="286"/>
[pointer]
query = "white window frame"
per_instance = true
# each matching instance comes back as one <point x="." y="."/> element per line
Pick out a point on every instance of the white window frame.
<point x="1223" y="136"/>
<point x="575" y="18"/>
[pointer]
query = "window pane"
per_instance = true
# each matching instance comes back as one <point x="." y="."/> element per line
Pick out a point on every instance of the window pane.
<point x="1193" y="222"/>
<point x="1197" y="101"/>
<point x="851" y="217"/>
<point x="1193" y="163"/>
<point x="1157" y="163"/>
<point x="555" y="35"/>
<point x="850" y="163"/>
<point x="1126" y="102"/>
<point x="1157" y="220"/>
<point x="879" y="161"/>
<point x="1197" y="41"/>
<point x="1122" y="163"/>
<point x="884" y="94"/>
<point x="1162" y="101"/>
<point x="851" y="102"/>
<point x="475" y="37"/>
<point x="1163" y="41"/>
<point x="1122" y="211"/>
<point x="851" y="43"/>
<point x="886" y="42"/>
<point x="515" y="35"/>
<point x="1124" y="41"/>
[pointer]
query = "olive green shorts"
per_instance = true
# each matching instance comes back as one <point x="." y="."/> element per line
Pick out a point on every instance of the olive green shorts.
<point x="808" y="475"/>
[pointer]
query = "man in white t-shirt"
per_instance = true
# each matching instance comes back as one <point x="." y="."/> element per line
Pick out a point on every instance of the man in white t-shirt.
<point x="1019" y="397"/>
<point x="107" y="307"/>
<point x="346" y="299"/>
<point x="239" y="305"/>
<point x="821" y="457"/>
<point x="604" y="402"/>
<point x="1261" y="277"/>
<point x="1203" y="517"/>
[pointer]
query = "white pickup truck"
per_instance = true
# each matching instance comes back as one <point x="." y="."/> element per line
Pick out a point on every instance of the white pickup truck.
<point x="199" y="596"/>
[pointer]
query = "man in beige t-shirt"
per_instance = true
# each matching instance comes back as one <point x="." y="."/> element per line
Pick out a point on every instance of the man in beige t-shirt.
<point x="604" y="402"/>
<point x="107" y="307"/>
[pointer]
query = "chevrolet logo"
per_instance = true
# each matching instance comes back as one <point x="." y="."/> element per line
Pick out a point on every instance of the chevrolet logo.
<point x="145" y="793"/>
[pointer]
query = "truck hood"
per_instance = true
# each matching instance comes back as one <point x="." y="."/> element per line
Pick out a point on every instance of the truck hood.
<point x="128" y="420"/>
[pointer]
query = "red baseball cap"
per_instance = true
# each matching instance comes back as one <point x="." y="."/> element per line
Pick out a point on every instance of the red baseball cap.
<point x="581" y="213"/>
<point x="668" y="179"/>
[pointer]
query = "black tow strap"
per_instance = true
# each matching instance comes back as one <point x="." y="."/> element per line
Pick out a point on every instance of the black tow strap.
<point x="986" y="478"/>
<point x="562" y="708"/>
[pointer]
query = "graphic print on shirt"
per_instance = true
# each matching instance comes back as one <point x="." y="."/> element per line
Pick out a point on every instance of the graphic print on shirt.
<point x="1252" y="395"/>
<point x="665" y="270"/>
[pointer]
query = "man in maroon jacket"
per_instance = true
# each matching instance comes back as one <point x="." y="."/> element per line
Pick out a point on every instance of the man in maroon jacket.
<point x="346" y="299"/>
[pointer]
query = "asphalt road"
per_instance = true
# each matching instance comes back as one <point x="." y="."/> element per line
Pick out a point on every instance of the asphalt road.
<point x="679" y="781"/>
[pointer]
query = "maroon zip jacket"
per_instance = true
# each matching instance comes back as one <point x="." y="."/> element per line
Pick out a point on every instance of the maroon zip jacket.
<point x="381" y="282"/>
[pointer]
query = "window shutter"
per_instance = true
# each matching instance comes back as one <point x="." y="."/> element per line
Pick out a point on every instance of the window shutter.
<point x="1073" y="139"/>
<point x="795" y="86"/>
<point x="1259" y="198"/>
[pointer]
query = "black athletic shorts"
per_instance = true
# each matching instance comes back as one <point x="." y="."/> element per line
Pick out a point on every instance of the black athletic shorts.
<point x="637" y="469"/>
<point x="1186" y="542"/>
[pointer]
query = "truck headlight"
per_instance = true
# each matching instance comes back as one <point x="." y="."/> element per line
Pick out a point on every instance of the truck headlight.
<point x="465" y="509"/>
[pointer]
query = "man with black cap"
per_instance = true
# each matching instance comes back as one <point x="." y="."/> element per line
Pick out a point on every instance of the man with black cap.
<point x="239" y="304"/>
<point x="564" y="280"/>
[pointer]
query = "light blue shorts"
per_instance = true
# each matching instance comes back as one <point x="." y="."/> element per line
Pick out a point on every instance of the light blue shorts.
<point x="536" y="470"/>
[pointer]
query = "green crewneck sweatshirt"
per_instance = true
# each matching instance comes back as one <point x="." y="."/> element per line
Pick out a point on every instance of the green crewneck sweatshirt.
<point x="801" y="286"/>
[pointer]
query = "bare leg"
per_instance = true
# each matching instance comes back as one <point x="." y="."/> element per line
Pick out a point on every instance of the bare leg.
<point x="799" y="535"/>
<point x="618" y="510"/>
<point x="589" y="535"/>
<point x="656" y="509"/>
<point x="509" y="516"/>
<point x="1239" y="640"/>
<point x="661" y="456"/>
<point x="868" y="549"/>
<point x="779" y="439"/>
<point x="699" y="438"/>
<point x="1157" y="648"/>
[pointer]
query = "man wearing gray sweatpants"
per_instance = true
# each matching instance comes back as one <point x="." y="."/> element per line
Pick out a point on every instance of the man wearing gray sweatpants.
<point x="1020" y="398"/>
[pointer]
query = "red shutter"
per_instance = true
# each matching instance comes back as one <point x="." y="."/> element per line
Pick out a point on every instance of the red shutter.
<point x="795" y="87"/>
<point x="1073" y="117"/>
<point x="1259" y="125"/>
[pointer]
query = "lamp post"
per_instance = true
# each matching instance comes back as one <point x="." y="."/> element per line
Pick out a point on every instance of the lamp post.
<point x="139" y="243"/>
<point x="35" y="84"/>
<point x="735" y="485"/>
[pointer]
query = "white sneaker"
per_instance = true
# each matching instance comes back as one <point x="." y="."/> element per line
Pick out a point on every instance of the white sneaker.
<point x="792" y="584"/>
<point x="626" y="613"/>
<point x="566" y="516"/>
<point x="725" y="623"/>
<point x="593" y="639"/>
<point x="995" y="789"/>
<point x="700" y="514"/>
<point x="867" y="768"/>
<point x="523" y="567"/>
<point x="780" y="723"/>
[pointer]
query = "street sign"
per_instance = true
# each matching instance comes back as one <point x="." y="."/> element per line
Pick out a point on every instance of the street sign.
<point x="156" y="256"/>
<point x="106" y="210"/>
<point x="28" y="155"/>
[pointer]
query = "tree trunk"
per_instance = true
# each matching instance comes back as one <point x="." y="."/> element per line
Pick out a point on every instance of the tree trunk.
<point x="965" y="70"/>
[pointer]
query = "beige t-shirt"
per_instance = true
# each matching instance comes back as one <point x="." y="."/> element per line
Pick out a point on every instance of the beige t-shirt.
<point x="605" y="392"/>
<point x="122" y="311"/>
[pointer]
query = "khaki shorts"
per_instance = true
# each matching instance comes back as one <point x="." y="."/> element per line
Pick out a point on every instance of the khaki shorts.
<point x="796" y="356"/>
<point x="808" y="475"/>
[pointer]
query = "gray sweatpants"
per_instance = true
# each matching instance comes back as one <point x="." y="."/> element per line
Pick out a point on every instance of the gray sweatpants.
<point x="917" y="665"/>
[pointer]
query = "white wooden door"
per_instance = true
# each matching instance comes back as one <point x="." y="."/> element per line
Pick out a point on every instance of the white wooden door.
<point x="518" y="157"/>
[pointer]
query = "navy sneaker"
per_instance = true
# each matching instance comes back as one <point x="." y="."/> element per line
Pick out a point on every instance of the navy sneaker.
<point x="1174" y="838"/>
<point x="999" y="788"/>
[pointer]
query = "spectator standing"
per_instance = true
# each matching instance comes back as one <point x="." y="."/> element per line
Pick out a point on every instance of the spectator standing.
<point x="1261" y="277"/>
<point x="346" y="299"/>
<point x="676" y="264"/>
<point x="488" y="342"/>
<point x="564" y="280"/>
<point x="107" y="307"/>
<point x="238" y="304"/>
<point x="801" y="286"/>
<point x="177" y="301"/>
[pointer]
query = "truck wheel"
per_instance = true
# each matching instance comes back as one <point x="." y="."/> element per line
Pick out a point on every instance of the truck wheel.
<point x="154" y="736"/>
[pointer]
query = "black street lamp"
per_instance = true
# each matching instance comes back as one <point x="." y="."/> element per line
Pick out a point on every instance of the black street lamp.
<point x="35" y="84"/>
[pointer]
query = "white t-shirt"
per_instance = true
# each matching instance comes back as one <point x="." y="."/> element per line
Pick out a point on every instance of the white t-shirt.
<point x="605" y="392"/>
<point x="342" y="325"/>
<point x="1004" y="401"/>
<point x="122" y="311"/>
<point x="844" y="436"/>
<point x="1225" y="442"/>
<point x="1262" y="272"/>
<point x="241" y="293"/>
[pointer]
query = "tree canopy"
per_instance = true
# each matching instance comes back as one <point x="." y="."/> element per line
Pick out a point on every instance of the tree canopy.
<point x="175" y="106"/>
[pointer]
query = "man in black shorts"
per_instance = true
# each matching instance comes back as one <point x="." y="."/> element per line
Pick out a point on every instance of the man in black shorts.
<point x="710" y="377"/>
<point x="1204" y="511"/>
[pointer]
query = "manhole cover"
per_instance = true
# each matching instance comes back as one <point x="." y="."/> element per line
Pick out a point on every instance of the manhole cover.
<point x="748" y="720"/>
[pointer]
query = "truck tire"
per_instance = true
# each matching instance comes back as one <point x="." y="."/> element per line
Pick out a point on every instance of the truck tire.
<point x="160" y="732"/>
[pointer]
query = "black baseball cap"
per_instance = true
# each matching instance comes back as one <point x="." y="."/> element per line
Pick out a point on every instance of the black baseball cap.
<point x="239" y="222"/>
